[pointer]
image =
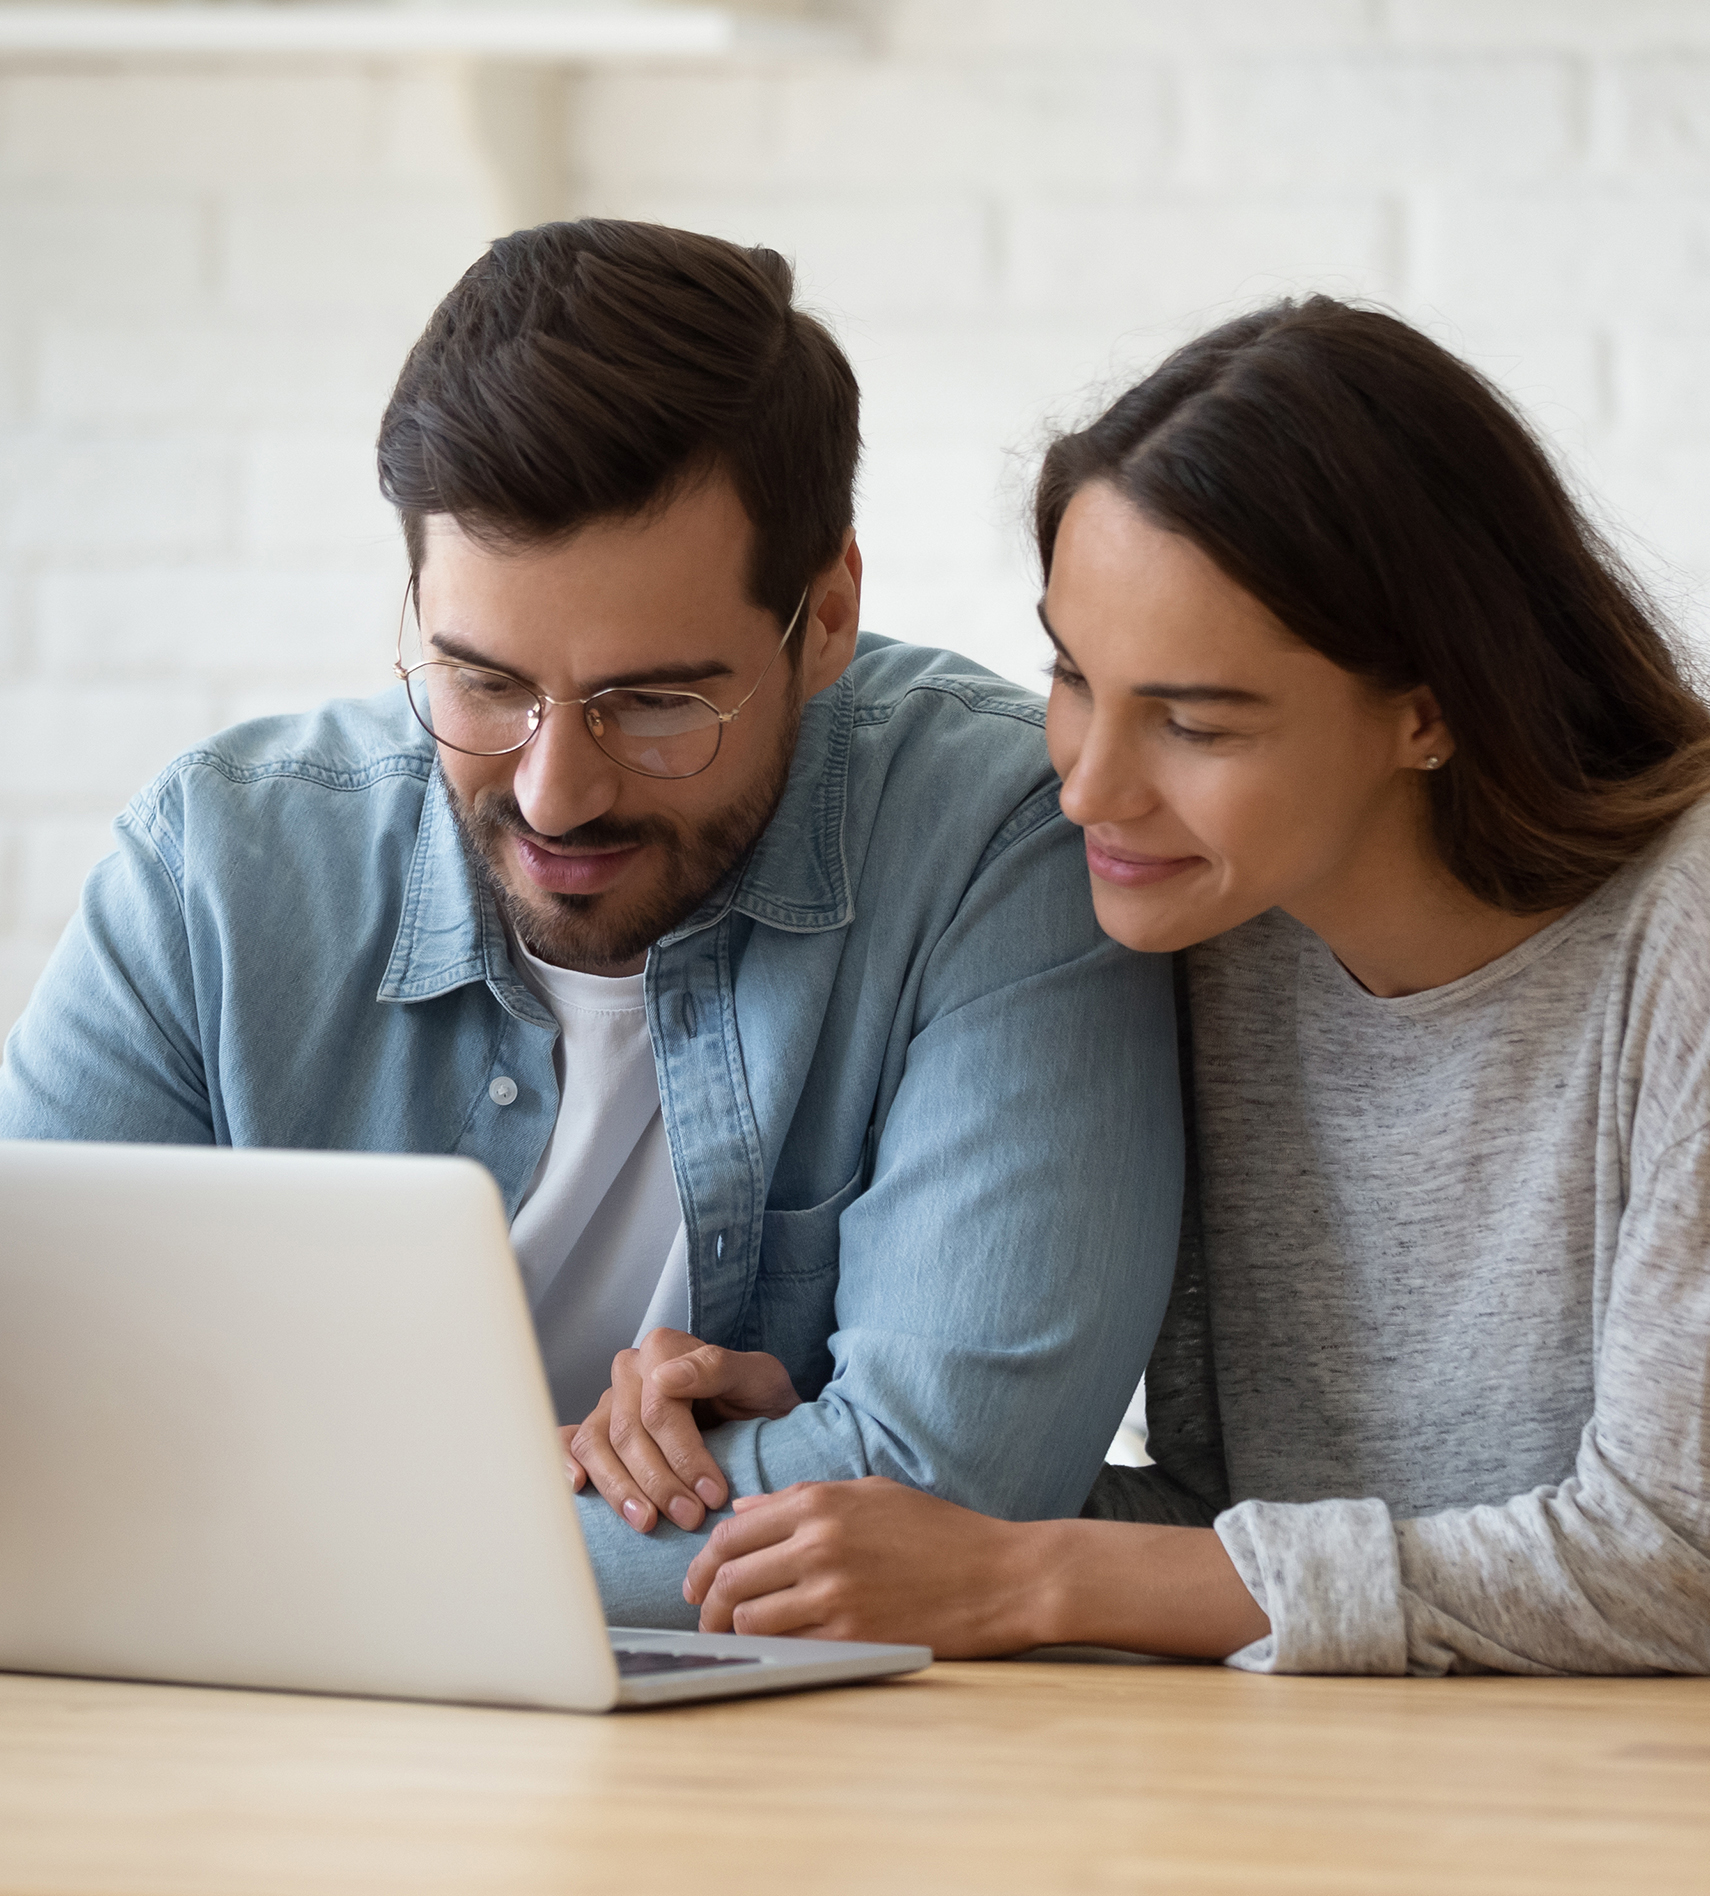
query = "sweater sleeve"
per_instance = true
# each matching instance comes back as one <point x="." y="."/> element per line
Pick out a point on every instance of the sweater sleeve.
<point x="1607" y="1571"/>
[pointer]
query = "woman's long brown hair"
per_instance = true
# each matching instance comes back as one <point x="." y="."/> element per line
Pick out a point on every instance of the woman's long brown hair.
<point x="1392" y="510"/>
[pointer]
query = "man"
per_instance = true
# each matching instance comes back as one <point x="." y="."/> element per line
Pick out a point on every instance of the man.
<point x="755" y="961"/>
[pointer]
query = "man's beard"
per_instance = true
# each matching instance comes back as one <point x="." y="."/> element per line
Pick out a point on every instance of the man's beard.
<point x="588" y="932"/>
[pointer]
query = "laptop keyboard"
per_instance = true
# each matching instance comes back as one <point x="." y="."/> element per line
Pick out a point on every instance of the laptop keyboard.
<point x="632" y="1661"/>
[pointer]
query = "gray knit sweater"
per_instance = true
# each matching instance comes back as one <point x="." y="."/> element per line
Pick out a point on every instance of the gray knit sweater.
<point x="1437" y="1362"/>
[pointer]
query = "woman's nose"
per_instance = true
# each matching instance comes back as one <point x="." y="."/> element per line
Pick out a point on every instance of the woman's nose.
<point x="1107" y="780"/>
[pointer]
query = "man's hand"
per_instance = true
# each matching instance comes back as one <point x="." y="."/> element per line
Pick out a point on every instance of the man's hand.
<point x="868" y="1559"/>
<point x="642" y="1447"/>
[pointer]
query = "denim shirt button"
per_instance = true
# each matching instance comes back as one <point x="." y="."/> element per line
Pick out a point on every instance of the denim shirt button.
<point x="718" y="1248"/>
<point x="502" y="1091"/>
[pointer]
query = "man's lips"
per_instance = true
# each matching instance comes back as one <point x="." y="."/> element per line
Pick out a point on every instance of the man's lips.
<point x="573" y="872"/>
<point x="1135" y="872"/>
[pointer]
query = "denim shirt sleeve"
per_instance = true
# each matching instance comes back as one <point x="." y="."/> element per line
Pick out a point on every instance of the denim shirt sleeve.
<point x="109" y="1048"/>
<point x="1005" y="1271"/>
<point x="1003" y="1254"/>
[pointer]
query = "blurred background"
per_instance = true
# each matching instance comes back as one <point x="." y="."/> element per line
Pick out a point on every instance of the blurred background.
<point x="221" y="226"/>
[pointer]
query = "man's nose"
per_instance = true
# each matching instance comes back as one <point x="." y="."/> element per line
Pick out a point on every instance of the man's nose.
<point x="563" y="778"/>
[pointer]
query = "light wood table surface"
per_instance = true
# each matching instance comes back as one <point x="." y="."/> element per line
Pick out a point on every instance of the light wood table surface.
<point x="976" y="1778"/>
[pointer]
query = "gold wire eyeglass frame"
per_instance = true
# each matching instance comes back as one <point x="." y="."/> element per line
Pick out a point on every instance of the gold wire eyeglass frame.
<point x="589" y="705"/>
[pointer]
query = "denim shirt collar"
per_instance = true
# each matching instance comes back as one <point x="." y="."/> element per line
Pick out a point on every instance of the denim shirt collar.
<point x="795" y="878"/>
<point x="450" y="933"/>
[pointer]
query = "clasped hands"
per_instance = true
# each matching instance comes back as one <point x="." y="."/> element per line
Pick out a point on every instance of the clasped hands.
<point x="642" y="1448"/>
<point x="829" y="1559"/>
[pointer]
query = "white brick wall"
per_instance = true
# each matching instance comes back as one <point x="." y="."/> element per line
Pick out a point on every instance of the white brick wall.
<point x="208" y="276"/>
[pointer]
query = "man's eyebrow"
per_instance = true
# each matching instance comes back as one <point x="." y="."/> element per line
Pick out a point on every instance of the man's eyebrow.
<point x="1175" y="694"/>
<point x="692" y="674"/>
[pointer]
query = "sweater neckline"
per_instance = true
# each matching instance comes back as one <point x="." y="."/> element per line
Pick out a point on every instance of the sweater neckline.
<point x="1506" y="967"/>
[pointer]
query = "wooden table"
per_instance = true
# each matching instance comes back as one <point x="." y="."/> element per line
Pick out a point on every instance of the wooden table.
<point x="977" y="1778"/>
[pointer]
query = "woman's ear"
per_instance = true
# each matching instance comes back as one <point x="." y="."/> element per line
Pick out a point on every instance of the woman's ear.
<point x="1425" y="740"/>
<point x="828" y="638"/>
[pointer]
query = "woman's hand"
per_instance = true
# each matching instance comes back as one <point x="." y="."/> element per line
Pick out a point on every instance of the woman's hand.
<point x="873" y="1560"/>
<point x="869" y="1560"/>
<point x="642" y="1447"/>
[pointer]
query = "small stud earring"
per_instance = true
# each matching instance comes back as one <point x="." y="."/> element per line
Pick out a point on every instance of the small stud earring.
<point x="1433" y="762"/>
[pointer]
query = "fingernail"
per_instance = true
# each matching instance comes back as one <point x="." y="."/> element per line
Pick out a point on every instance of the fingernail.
<point x="684" y="1512"/>
<point x="634" y="1512"/>
<point x="707" y="1489"/>
<point x="688" y="1593"/>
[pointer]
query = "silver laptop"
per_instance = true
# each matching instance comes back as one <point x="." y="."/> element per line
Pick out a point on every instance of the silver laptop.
<point x="277" y="1419"/>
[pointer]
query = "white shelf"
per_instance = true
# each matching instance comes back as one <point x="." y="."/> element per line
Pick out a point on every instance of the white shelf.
<point x="571" y="33"/>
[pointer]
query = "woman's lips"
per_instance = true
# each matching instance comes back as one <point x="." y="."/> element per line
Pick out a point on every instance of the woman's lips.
<point x="1135" y="872"/>
<point x="587" y="872"/>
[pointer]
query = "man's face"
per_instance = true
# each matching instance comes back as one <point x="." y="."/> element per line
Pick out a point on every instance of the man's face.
<point x="590" y="862"/>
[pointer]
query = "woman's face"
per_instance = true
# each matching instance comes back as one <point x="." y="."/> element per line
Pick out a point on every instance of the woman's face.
<point x="1219" y="766"/>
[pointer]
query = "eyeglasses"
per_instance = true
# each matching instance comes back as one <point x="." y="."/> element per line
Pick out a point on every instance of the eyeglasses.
<point x="484" y="713"/>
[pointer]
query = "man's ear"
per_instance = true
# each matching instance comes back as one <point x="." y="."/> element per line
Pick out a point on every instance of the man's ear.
<point x="834" y="618"/>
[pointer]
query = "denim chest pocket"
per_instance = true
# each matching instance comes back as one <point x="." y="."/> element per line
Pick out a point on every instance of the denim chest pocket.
<point x="796" y="1294"/>
<point x="801" y="1243"/>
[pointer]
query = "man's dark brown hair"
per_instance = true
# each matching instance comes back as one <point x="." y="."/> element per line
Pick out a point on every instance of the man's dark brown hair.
<point x="1393" y="511"/>
<point x="586" y="370"/>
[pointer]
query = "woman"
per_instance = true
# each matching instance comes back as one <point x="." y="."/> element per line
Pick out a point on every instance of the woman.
<point x="1366" y="727"/>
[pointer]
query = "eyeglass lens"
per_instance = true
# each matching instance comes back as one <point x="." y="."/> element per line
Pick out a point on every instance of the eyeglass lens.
<point x="660" y="734"/>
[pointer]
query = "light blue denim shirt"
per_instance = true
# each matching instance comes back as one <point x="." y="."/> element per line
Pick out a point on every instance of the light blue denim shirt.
<point x="923" y="1115"/>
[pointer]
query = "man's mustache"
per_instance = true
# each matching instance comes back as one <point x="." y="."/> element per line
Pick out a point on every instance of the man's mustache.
<point x="601" y="832"/>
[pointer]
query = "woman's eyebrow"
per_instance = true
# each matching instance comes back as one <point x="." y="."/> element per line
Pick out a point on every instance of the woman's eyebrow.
<point x="1199" y="694"/>
<point x="1176" y="694"/>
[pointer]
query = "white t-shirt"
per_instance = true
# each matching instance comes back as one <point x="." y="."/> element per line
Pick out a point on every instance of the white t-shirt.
<point x="599" y="1234"/>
